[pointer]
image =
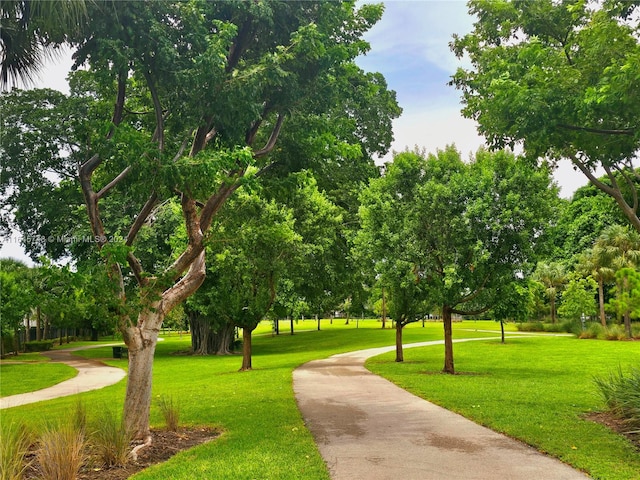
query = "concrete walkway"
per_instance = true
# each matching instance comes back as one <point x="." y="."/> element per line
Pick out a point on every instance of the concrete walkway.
<point x="366" y="428"/>
<point x="92" y="375"/>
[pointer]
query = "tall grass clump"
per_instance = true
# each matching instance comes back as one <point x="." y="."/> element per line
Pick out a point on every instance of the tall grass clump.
<point x="110" y="440"/>
<point x="170" y="412"/>
<point x="61" y="453"/>
<point x="15" y="441"/>
<point x="621" y="395"/>
<point x="593" y="330"/>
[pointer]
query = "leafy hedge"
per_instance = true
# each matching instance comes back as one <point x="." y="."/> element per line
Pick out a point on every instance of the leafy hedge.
<point x="38" y="346"/>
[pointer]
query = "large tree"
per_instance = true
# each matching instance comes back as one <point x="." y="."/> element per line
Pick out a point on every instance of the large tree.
<point x="464" y="231"/>
<point x="562" y="80"/>
<point x="479" y="225"/>
<point x="188" y="101"/>
<point x="386" y="246"/>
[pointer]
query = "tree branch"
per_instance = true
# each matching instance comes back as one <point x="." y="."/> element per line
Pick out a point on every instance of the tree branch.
<point x="113" y="183"/>
<point x="272" y="139"/>
<point x="195" y="244"/>
<point x="119" y="105"/>
<point x="141" y="218"/>
<point x="157" y="107"/>
<point x="600" y="131"/>
<point x="187" y="284"/>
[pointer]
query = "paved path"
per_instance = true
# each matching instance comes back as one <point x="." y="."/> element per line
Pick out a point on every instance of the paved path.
<point x="366" y="428"/>
<point x="92" y="375"/>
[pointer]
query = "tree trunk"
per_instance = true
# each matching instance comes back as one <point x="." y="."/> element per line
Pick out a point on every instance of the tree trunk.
<point x="318" y="320"/>
<point x="200" y="334"/>
<point x="448" y="341"/>
<point x="502" y="330"/>
<point x="246" y="349"/>
<point x="291" y="325"/>
<point x="221" y="341"/>
<point x="399" y="351"/>
<point x="603" y="318"/>
<point x="141" y="342"/>
<point x="384" y="310"/>
<point x="45" y="332"/>
<point x="553" y="309"/>
<point x="347" y="322"/>
<point x="627" y="312"/>
<point x="38" y="323"/>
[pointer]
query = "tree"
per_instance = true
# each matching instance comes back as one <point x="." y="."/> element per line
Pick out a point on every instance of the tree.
<point x="31" y="30"/>
<point x="15" y="300"/>
<point x="595" y="263"/>
<point x="478" y="229"/>
<point x="385" y="245"/>
<point x="626" y="303"/>
<point x="561" y="79"/>
<point x="452" y="234"/>
<point x="622" y="247"/>
<point x="192" y="120"/>
<point x="256" y="244"/>
<point x="578" y="298"/>
<point x="553" y="276"/>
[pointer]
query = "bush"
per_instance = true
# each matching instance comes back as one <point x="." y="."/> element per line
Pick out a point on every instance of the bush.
<point x="38" y="346"/>
<point x="15" y="441"/>
<point x="170" y="412"/>
<point x="621" y="395"/>
<point x="530" y="327"/>
<point x="615" y="332"/>
<point x="635" y="330"/>
<point x="594" y="330"/>
<point x="61" y="453"/>
<point x="110" y="440"/>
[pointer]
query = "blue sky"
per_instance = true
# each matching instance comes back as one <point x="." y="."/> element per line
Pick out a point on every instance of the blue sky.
<point x="410" y="47"/>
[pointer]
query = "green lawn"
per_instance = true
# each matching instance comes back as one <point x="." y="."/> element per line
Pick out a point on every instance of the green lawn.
<point x="533" y="389"/>
<point x="264" y="436"/>
<point x="18" y="378"/>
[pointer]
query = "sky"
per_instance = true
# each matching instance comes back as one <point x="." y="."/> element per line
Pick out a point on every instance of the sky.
<point x="410" y="47"/>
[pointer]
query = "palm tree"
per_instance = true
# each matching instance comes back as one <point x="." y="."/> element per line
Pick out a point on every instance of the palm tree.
<point x="621" y="245"/>
<point x="31" y="31"/>
<point x="552" y="275"/>
<point x="595" y="262"/>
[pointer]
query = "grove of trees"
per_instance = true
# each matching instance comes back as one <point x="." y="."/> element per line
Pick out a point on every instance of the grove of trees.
<point x="215" y="161"/>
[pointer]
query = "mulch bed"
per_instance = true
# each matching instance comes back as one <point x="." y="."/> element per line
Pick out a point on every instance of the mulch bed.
<point x="164" y="446"/>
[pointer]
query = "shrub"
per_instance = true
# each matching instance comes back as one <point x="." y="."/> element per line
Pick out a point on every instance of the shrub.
<point x="530" y="327"/>
<point x="38" y="346"/>
<point x="615" y="332"/>
<point x="635" y="330"/>
<point x="170" y="412"/>
<point x="110" y="440"/>
<point x="621" y="395"/>
<point x="594" y="330"/>
<point x="61" y="453"/>
<point x="15" y="441"/>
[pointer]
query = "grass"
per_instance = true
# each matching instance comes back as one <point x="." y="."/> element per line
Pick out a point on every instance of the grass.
<point x="533" y="389"/>
<point x="24" y="377"/>
<point x="264" y="435"/>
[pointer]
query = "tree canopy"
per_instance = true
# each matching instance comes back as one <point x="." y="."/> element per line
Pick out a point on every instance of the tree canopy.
<point x="227" y="93"/>
<point x="561" y="79"/>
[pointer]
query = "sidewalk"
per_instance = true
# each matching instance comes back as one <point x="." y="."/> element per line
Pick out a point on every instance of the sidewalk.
<point x="92" y="375"/>
<point x="366" y="428"/>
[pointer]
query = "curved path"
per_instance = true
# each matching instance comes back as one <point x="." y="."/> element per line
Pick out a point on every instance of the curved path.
<point x="92" y="375"/>
<point x="367" y="428"/>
